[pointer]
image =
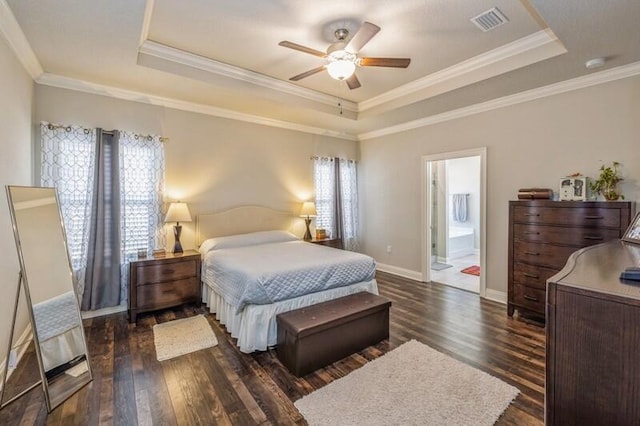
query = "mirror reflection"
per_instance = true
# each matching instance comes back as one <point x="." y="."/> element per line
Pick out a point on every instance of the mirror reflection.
<point x="58" y="334"/>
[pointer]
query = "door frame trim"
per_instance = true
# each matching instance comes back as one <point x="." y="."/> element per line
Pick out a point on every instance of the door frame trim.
<point x="426" y="210"/>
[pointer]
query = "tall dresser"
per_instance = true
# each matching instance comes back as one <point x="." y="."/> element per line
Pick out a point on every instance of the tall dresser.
<point x="542" y="236"/>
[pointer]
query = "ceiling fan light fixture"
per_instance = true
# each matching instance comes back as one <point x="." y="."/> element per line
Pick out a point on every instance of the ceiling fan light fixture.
<point x="342" y="64"/>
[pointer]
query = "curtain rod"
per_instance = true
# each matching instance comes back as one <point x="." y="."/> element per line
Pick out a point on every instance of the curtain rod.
<point x="107" y="132"/>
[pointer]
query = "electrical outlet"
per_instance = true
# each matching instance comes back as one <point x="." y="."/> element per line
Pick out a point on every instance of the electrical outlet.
<point x="13" y="359"/>
<point x="388" y="249"/>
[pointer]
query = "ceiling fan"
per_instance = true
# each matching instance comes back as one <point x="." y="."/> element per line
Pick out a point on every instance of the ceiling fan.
<point x="343" y="57"/>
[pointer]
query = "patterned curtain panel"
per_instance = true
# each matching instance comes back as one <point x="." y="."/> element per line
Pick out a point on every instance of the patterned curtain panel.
<point x="67" y="163"/>
<point x="141" y="197"/>
<point x="337" y="199"/>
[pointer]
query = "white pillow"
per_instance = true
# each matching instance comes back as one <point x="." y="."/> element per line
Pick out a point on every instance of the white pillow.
<point x="242" y="240"/>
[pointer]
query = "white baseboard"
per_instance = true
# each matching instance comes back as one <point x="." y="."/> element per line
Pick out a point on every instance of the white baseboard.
<point x="104" y="311"/>
<point x="395" y="270"/>
<point x="22" y="348"/>
<point x="496" y="296"/>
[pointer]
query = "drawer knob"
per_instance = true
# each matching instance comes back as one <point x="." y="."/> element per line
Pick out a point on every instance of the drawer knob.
<point x="594" y="217"/>
<point x="530" y="298"/>
<point x="532" y="253"/>
<point x="591" y="237"/>
<point x="531" y="275"/>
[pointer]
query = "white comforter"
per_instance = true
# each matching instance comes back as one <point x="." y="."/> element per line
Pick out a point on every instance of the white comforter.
<point x="267" y="273"/>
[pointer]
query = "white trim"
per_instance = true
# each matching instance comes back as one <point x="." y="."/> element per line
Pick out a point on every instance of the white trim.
<point x="146" y="21"/>
<point x="605" y="76"/>
<point x="467" y="72"/>
<point x="12" y="32"/>
<point x="496" y="296"/>
<point x="189" y="59"/>
<point x="396" y="270"/>
<point x="104" y="311"/>
<point x="62" y="82"/>
<point x="425" y="212"/>
<point x="20" y="343"/>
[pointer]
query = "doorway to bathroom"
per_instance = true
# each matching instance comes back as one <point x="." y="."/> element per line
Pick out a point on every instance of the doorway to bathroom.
<point x="454" y="219"/>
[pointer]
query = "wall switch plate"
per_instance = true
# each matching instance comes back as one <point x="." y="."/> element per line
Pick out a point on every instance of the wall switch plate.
<point x="388" y="249"/>
<point x="13" y="359"/>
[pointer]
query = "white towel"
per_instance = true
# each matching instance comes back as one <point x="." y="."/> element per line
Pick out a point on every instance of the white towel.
<point x="459" y="210"/>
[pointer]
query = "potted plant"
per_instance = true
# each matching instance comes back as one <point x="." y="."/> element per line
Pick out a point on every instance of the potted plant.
<point x="607" y="182"/>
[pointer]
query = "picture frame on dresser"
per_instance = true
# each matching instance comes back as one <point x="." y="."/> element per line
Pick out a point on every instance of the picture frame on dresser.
<point x="632" y="234"/>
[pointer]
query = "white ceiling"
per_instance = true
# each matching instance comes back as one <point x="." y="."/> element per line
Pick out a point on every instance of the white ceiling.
<point x="225" y="54"/>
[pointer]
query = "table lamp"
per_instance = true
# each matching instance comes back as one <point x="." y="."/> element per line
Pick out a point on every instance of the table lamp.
<point x="308" y="211"/>
<point x="178" y="212"/>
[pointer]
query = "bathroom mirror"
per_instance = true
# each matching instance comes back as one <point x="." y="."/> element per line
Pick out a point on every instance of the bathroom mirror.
<point x="59" y="342"/>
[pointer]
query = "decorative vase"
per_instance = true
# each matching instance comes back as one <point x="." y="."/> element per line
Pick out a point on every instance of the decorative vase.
<point x="610" y="193"/>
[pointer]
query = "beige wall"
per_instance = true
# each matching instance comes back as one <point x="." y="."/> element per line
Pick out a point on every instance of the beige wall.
<point x="211" y="163"/>
<point x="528" y="145"/>
<point x="16" y="88"/>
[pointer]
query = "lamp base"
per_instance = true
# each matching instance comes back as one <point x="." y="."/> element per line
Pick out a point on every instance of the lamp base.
<point x="177" y="247"/>
<point x="307" y="235"/>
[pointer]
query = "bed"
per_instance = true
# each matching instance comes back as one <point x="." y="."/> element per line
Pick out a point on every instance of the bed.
<point x="254" y="267"/>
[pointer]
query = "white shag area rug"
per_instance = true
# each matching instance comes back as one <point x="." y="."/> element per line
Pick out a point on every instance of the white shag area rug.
<point x="183" y="336"/>
<point x="411" y="385"/>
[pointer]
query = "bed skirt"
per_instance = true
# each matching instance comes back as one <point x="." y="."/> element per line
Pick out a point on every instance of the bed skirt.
<point x="255" y="326"/>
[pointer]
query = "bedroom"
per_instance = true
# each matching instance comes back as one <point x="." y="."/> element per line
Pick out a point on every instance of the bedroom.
<point x="218" y="162"/>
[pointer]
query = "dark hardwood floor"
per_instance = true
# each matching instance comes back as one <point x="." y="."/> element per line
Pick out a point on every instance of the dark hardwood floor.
<point x="220" y="385"/>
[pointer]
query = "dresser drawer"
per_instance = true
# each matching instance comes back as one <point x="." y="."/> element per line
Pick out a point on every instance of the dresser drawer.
<point x="167" y="271"/>
<point x="579" y="237"/>
<point x="532" y="275"/>
<point x="168" y="293"/>
<point x="588" y="217"/>
<point x="542" y="254"/>
<point x="529" y="297"/>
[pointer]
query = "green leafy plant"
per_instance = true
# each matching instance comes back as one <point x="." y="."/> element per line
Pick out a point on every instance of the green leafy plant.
<point x="607" y="182"/>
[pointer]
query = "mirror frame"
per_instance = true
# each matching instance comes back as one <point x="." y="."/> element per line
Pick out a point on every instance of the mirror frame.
<point x="25" y="285"/>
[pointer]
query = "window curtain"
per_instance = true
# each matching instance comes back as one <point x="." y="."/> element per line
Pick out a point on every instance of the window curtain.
<point x="111" y="194"/>
<point x="337" y="199"/>
<point x="67" y="163"/>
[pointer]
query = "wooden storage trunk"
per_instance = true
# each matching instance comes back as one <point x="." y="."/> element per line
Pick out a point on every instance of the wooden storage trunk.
<point x="318" y="335"/>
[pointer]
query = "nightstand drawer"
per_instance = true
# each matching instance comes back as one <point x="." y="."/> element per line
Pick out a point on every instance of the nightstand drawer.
<point x="329" y="242"/>
<point x="168" y="293"/>
<point x="580" y="237"/>
<point x="168" y="271"/>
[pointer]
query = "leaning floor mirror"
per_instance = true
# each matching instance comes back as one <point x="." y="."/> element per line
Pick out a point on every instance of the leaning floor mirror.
<point x="58" y="342"/>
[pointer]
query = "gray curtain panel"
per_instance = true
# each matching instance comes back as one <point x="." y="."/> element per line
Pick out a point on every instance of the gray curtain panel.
<point x="102" y="278"/>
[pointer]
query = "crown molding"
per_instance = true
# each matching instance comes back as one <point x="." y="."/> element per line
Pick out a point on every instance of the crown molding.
<point x="62" y="82"/>
<point x="516" y="54"/>
<point x="605" y="76"/>
<point x="12" y="32"/>
<point x="146" y="21"/>
<point x="189" y="59"/>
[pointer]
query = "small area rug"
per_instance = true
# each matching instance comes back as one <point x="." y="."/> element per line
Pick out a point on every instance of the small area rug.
<point x="437" y="266"/>
<point x="472" y="270"/>
<point x="183" y="336"/>
<point x="411" y="385"/>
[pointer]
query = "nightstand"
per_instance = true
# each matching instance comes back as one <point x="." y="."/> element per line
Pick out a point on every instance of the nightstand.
<point x="163" y="282"/>
<point x="331" y="242"/>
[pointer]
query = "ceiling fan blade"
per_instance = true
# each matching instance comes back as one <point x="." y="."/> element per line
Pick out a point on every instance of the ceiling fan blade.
<point x="353" y="82"/>
<point x="362" y="37"/>
<point x="308" y="73"/>
<point x="302" y="48"/>
<point x="385" y="62"/>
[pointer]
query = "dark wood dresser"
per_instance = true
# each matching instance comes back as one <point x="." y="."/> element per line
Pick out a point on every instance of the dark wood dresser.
<point x="542" y="236"/>
<point x="593" y="339"/>
<point x="158" y="283"/>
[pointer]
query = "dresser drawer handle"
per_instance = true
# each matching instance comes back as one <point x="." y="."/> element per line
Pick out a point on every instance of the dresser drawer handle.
<point x="594" y="217"/>
<point x="591" y="237"/>
<point x="531" y="233"/>
<point x="532" y="214"/>
<point x="532" y="253"/>
<point x="169" y="271"/>
<point x="168" y="291"/>
<point x="530" y="298"/>
<point x="531" y="275"/>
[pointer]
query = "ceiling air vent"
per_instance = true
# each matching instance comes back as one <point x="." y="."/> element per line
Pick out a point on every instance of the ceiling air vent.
<point x="490" y="19"/>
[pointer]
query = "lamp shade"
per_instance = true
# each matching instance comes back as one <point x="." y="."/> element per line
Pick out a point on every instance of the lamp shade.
<point x="178" y="212"/>
<point x="308" y="209"/>
<point x="341" y="69"/>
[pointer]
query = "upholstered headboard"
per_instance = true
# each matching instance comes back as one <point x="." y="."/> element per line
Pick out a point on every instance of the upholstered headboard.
<point x="241" y="220"/>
